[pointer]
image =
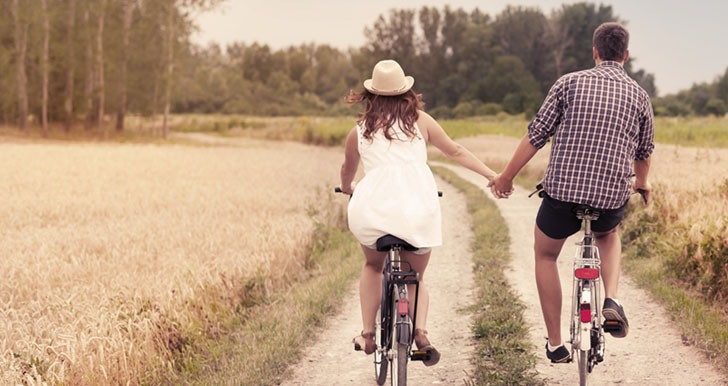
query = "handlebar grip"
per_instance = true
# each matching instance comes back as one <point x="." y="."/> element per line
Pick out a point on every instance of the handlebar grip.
<point x="338" y="190"/>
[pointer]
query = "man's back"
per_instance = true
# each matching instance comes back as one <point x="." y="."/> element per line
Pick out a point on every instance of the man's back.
<point x="600" y="121"/>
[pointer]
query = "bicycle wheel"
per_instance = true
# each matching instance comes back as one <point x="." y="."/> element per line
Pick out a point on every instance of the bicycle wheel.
<point x="380" y="359"/>
<point x="382" y="327"/>
<point x="400" y="342"/>
<point x="582" y="359"/>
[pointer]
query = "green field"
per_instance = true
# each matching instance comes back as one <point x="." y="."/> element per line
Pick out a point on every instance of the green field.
<point x="711" y="132"/>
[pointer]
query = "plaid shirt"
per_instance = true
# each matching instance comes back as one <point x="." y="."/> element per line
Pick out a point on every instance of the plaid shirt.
<point x="601" y="121"/>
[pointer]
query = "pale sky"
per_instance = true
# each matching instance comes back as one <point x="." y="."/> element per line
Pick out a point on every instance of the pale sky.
<point x="681" y="42"/>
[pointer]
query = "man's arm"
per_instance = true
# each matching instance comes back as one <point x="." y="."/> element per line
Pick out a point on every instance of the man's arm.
<point x="641" y="169"/>
<point x="503" y="184"/>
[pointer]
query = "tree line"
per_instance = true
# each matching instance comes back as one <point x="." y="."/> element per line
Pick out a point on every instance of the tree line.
<point x="92" y="62"/>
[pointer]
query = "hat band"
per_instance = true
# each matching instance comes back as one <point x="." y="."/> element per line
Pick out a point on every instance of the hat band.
<point x="404" y="86"/>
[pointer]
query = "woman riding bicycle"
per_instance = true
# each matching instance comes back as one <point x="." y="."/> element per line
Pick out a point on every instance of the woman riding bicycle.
<point x="397" y="194"/>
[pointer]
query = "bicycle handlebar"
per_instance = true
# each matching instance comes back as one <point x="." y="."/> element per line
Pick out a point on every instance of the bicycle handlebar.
<point x="539" y="190"/>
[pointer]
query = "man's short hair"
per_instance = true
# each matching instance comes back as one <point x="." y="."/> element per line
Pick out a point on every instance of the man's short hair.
<point x="611" y="41"/>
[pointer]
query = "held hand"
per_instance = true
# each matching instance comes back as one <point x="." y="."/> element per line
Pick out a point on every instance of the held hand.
<point x="501" y="187"/>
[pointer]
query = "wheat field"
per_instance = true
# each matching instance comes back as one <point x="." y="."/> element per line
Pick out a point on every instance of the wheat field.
<point x="112" y="254"/>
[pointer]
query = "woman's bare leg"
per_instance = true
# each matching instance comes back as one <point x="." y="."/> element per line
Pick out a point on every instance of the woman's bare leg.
<point x="370" y="286"/>
<point x="419" y="264"/>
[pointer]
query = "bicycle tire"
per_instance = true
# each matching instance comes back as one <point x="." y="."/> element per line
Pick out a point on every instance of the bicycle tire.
<point x="381" y="362"/>
<point x="402" y="356"/>
<point x="582" y="359"/>
<point x="398" y="364"/>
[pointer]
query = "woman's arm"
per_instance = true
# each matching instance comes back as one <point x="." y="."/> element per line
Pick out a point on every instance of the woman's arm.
<point x="351" y="162"/>
<point x="436" y="135"/>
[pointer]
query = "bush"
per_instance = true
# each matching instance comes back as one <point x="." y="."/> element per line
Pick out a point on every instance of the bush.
<point x="442" y="112"/>
<point x="489" y="109"/>
<point x="463" y="110"/>
<point x="715" y="106"/>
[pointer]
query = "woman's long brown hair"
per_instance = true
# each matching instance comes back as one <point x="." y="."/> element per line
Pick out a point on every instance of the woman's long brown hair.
<point x="383" y="112"/>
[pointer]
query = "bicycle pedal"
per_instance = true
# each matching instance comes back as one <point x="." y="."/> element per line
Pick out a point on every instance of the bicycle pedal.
<point x="612" y="326"/>
<point x="420" y="355"/>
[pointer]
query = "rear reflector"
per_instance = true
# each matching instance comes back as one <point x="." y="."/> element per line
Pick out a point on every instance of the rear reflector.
<point x="403" y="307"/>
<point x="586" y="273"/>
<point x="585" y="313"/>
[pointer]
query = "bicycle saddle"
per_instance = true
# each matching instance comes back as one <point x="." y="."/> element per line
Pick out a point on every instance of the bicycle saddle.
<point x="582" y="210"/>
<point x="386" y="242"/>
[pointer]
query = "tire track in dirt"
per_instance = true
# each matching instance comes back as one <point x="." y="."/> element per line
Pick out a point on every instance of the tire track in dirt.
<point x="652" y="354"/>
<point x="330" y="358"/>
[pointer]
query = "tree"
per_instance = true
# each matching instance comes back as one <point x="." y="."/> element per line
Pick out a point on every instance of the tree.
<point x="100" y="78"/>
<point x="45" y="66"/>
<point x="523" y="32"/>
<point x="70" y="65"/>
<point x="510" y="83"/>
<point x="393" y="37"/>
<point x="128" y="12"/>
<point x="21" y="47"/>
<point x="721" y="88"/>
<point x="715" y="106"/>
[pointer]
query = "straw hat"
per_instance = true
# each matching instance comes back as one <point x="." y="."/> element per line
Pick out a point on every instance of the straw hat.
<point x="388" y="79"/>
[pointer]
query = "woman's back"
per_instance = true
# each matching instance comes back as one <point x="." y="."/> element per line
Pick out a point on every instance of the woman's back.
<point x="398" y="194"/>
<point x="379" y="151"/>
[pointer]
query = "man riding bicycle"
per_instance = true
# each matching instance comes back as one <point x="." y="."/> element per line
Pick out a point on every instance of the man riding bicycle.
<point x="602" y="126"/>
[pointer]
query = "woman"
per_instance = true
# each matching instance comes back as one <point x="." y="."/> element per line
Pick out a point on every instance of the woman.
<point x="397" y="195"/>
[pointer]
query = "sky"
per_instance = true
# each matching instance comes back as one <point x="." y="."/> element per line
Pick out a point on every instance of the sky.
<point x="681" y="42"/>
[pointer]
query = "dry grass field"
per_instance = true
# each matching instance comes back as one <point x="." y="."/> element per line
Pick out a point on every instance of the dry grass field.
<point x="114" y="256"/>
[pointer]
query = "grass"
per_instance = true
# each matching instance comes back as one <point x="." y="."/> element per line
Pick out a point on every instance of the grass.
<point x="330" y="131"/>
<point x="122" y="260"/>
<point x="659" y="253"/>
<point x="259" y="346"/>
<point x="503" y="354"/>
<point x="692" y="131"/>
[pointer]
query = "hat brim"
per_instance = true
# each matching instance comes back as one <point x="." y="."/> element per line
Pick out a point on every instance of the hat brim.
<point x="408" y="83"/>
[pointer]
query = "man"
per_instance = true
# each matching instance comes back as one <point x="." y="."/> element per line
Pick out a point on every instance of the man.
<point x="601" y="122"/>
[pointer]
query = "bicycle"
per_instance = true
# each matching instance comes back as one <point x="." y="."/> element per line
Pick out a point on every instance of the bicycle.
<point x="586" y="329"/>
<point x="394" y="330"/>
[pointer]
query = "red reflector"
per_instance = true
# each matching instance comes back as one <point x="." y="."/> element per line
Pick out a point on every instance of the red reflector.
<point x="586" y="273"/>
<point x="585" y="313"/>
<point x="403" y="307"/>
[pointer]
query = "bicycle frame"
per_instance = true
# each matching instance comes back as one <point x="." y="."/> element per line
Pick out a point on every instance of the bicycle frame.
<point x="587" y="336"/>
<point x="395" y="329"/>
<point x="586" y="326"/>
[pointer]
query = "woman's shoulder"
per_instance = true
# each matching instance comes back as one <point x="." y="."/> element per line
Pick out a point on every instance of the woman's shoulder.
<point x="424" y="120"/>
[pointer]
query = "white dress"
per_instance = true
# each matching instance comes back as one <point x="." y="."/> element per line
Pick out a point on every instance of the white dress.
<point x="398" y="194"/>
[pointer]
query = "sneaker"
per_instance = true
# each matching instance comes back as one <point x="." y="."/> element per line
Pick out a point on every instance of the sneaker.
<point x="560" y="355"/>
<point x="615" y="322"/>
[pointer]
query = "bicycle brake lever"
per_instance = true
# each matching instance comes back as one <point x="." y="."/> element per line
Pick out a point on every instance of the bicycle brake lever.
<point x="539" y="190"/>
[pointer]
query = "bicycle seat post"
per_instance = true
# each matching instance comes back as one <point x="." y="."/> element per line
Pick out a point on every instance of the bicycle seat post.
<point x="587" y="225"/>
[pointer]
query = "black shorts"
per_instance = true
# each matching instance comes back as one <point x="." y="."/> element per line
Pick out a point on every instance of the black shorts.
<point x="557" y="219"/>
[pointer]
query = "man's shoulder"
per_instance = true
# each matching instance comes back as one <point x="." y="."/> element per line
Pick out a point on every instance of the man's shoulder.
<point x="576" y="75"/>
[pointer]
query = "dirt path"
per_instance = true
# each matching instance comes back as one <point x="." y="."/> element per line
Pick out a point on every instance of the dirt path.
<point x="652" y="354"/>
<point x="332" y="360"/>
